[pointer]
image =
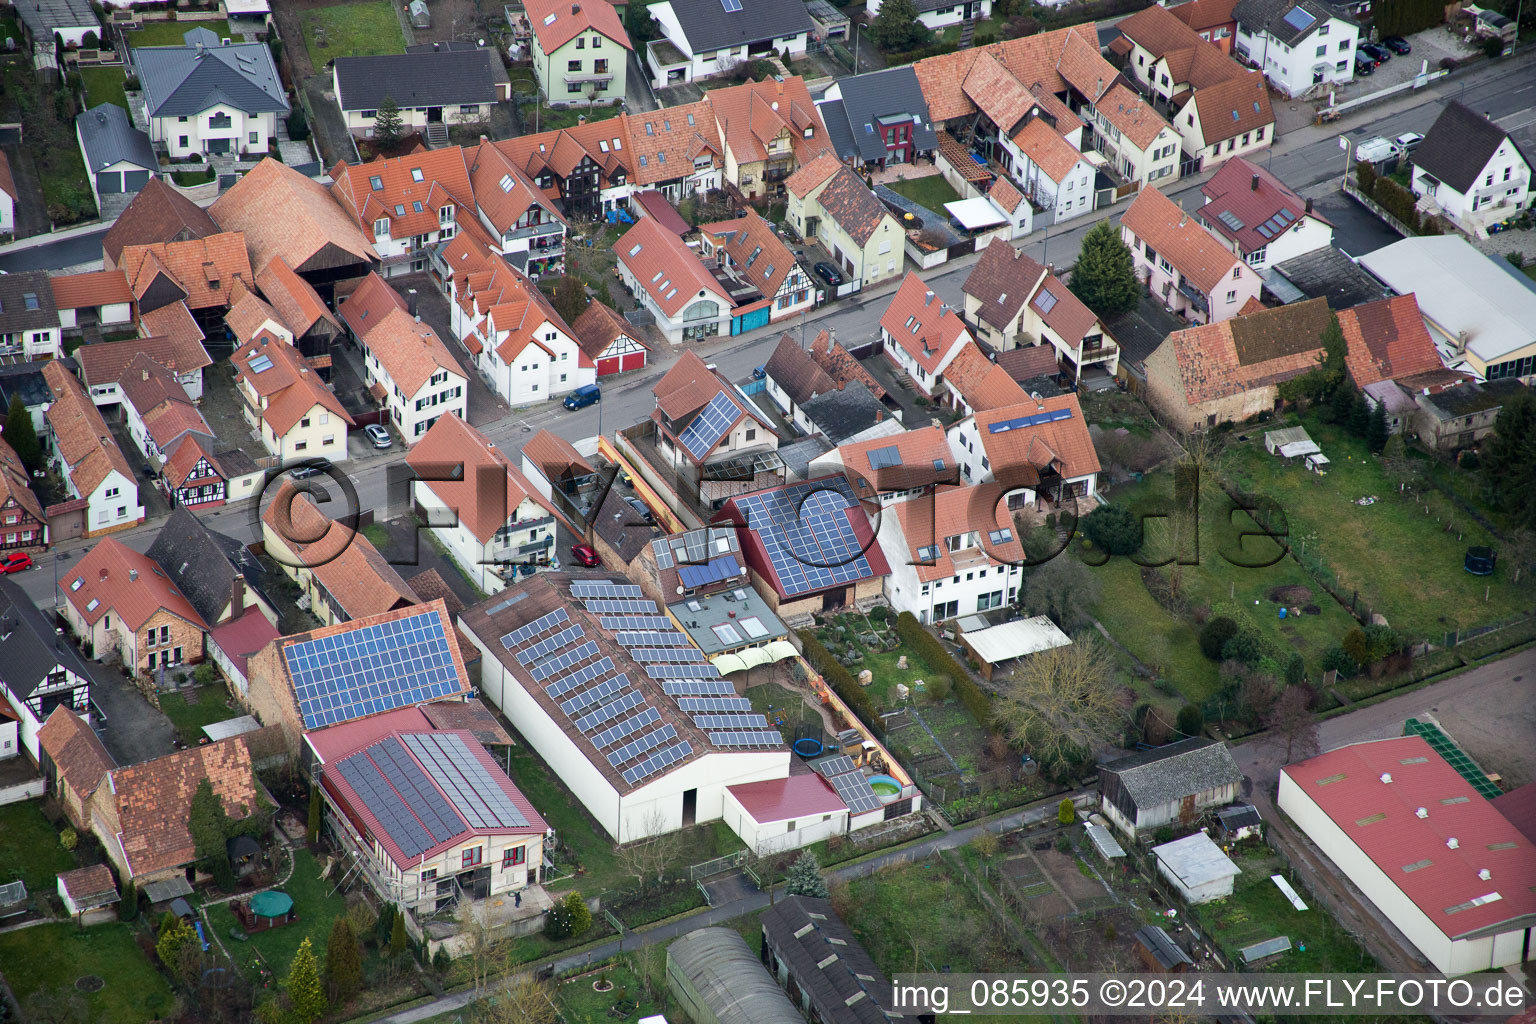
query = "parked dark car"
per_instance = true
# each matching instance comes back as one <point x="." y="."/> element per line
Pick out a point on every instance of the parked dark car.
<point x="1398" y="45"/>
<point x="830" y="274"/>
<point x="1363" y="63"/>
<point x="1380" y="54"/>
<point x="640" y="509"/>
<point x="309" y="468"/>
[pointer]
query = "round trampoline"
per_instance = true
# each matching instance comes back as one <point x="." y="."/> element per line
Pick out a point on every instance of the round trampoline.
<point x="271" y="904"/>
<point x="885" y="787"/>
<point x="808" y="746"/>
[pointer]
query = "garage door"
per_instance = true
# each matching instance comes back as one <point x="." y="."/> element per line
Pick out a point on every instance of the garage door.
<point x="135" y="180"/>
<point x="607" y="365"/>
<point x="109" y="182"/>
<point x="634" y="361"/>
<point x="754" y="319"/>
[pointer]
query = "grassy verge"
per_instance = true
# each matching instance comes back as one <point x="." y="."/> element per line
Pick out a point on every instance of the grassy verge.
<point x="351" y="30"/>
<point x="104" y="85"/>
<point x="52" y="957"/>
<point x="189" y="718"/>
<point x="930" y="192"/>
<point x="29" y="848"/>
<point x="170" y="33"/>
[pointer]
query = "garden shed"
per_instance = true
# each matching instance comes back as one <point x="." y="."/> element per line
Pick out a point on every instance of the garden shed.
<point x="1290" y="442"/>
<point x="86" y="889"/>
<point x="718" y="980"/>
<point x="1197" y="868"/>
<point x="992" y="646"/>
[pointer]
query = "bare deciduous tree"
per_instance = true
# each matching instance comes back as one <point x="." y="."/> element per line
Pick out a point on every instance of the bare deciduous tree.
<point x="484" y="952"/>
<point x="1063" y="588"/>
<point x="1520" y="549"/>
<point x="1063" y="701"/>
<point x="518" y="1000"/>
<point x="649" y="858"/>
<point x="1292" y="726"/>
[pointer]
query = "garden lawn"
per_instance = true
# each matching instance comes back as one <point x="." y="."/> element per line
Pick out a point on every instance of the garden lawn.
<point x="549" y="118"/>
<point x="1257" y="910"/>
<point x="53" y="956"/>
<point x="581" y="1004"/>
<point x="30" y="850"/>
<point x="1404" y="563"/>
<point x="104" y="85"/>
<point x="930" y="192"/>
<point x="189" y="719"/>
<point x="571" y="822"/>
<point x="317" y="906"/>
<point x="352" y="30"/>
<point x="170" y="33"/>
<point x="1168" y="645"/>
<point x="881" y="663"/>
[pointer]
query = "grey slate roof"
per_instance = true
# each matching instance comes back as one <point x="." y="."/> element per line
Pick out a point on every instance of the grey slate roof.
<point x="1271" y="17"/>
<point x="180" y="81"/>
<point x="44" y="17"/>
<point x="1328" y="273"/>
<point x="1162" y="947"/>
<point x="867" y="98"/>
<point x="26" y="380"/>
<point x="1172" y="772"/>
<point x="29" y="648"/>
<point x="842" y="414"/>
<point x="850" y="970"/>
<point x="108" y="137"/>
<point x="423" y="79"/>
<point x="732" y="985"/>
<point x="26" y="302"/>
<point x="202" y="563"/>
<point x="1458" y="146"/>
<point x="709" y="26"/>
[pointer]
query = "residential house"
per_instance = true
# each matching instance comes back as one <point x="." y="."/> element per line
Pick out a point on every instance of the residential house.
<point x="29" y="319"/>
<point x="97" y="298"/>
<point x="767" y="129"/>
<point x="677" y="150"/>
<point x="1168" y="785"/>
<point x="283" y="213"/>
<point x="303" y="312"/>
<point x="1014" y="302"/>
<point x="973" y="383"/>
<point x="1141" y="146"/>
<point x="1470" y="170"/>
<point x="42" y="671"/>
<point x="491" y="519"/>
<point x="117" y="600"/>
<point x="672" y="282"/>
<point x="119" y="158"/>
<point x="157" y="214"/>
<point x="922" y="333"/>
<point x="611" y="342"/>
<point x="217" y="575"/>
<point x="1391" y="358"/>
<point x="1211" y="20"/>
<point x="432" y="88"/>
<point x="525" y="350"/>
<point x="940" y="14"/>
<point x="703" y="38"/>
<point x="84" y="452"/>
<point x="207" y="99"/>
<point x="1301" y="45"/>
<point x="406" y="366"/>
<point x="751" y="253"/>
<point x="831" y="356"/>
<point x="517" y="218"/>
<point x="8" y="197"/>
<point x="1051" y="172"/>
<point x="580" y="51"/>
<point x="706" y="427"/>
<point x="342" y="575"/>
<point x="952" y="553"/>
<point x="102" y="364"/>
<point x="203" y="273"/>
<point x="327" y="677"/>
<point x="73" y="762"/>
<point x="879" y="118"/>
<point x="1183" y="264"/>
<point x="898" y="468"/>
<point x="792" y="378"/>
<point x="1040" y="451"/>
<point x="814" y="955"/>
<point x="23" y="526"/>
<point x="1228" y="371"/>
<point x="583" y="171"/>
<point x="176" y="441"/>
<point x="829" y="203"/>
<point x="472" y="834"/>
<point x="1330" y="274"/>
<point x="1460" y="417"/>
<point x="406" y="204"/>
<point x="1479" y="308"/>
<point x="296" y="415"/>
<point x="1261" y="219"/>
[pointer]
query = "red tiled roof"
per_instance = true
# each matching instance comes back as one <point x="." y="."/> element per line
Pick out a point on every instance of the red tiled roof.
<point x="370" y="302"/>
<point x="1053" y="60"/>
<point x="839" y="362"/>
<point x="1194" y="252"/>
<point x="154" y="801"/>
<point x="157" y="214"/>
<point x="1021" y="452"/>
<point x="1028" y="362"/>
<point x="1249" y="351"/>
<point x="1201" y="15"/>
<point x="294" y="298"/>
<point x="666" y="268"/>
<point x="798" y="796"/>
<point x="804" y="181"/>
<point x="924" y="457"/>
<point x="76" y="750"/>
<point x="409" y="351"/>
<point x="81" y="437"/>
<point x="488" y="492"/>
<point x="1002" y="280"/>
<point x="1124" y="108"/>
<point x="1230" y="108"/>
<point x="106" y="360"/>
<point x="664" y="143"/>
<point x="753" y="114"/>
<point x="114" y="578"/>
<point x="1386" y="340"/>
<point x="982" y="383"/>
<point x="283" y="213"/>
<point x="1005" y="195"/>
<point x="173" y="323"/>
<point x="1382" y="820"/>
<point x="97" y="288"/>
<point x="555" y="456"/>
<point x="293" y="389"/>
<point x="411" y="190"/>
<point x="93" y="880"/>
<point x="205" y="268"/>
<point x="654" y="204"/>
<point x="852" y="206"/>
<point x="1047" y="150"/>
<point x="15" y="483"/>
<point x="923" y="324"/>
<point x="557" y="22"/>
<point x="599" y="327"/>
<point x="240" y="638"/>
<point x="755" y="248"/>
<point x="954" y="512"/>
<point x="1252" y="196"/>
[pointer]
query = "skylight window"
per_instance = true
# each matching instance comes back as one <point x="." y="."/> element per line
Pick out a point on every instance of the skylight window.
<point x="635" y="251"/>
<point x="399" y="209"/>
<point x="928" y="553"/>
<point x="602" y="145"/>
<point x="1000" y="536"/>
<point x="93" y="605"/>
<point x="549" y="19"/>
<point x="261" y="364"/>
<point x="642" y="156"/>
<point x="30" y="299"/>
<point x="376" y="183"/>
<point x="416" y="205"/>
<point x="1045" y="301"/>
<point x="416" y="174"/>
<point x="650" y="129"/>
<point x="79" y="582"/>
<point x="506" y="183"/>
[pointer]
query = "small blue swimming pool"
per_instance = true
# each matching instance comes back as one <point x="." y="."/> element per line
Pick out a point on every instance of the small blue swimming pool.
<point x="887" y="788"/>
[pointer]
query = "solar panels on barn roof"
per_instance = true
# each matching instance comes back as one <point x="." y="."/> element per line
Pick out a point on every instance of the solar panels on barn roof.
<point x="806" y="534"/>
<point x="709" y="426"/>
<point x="372" y="668"/>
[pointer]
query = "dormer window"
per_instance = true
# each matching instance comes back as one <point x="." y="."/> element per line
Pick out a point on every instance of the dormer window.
<point x="381" y="227"/>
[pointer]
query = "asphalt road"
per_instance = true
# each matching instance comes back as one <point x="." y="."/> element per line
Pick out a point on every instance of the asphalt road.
<point x="55" y="255"/>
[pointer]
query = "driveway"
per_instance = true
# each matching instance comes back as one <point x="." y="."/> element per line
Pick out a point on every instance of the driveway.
<point x="484" y="406"/>
<point x="134" y="731"/>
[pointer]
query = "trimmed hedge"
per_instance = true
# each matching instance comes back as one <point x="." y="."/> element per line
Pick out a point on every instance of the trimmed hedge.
<point x="841" y="680"/>
<point x="941" y="661"/>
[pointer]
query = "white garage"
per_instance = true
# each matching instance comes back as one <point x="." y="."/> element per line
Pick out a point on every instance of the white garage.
<point x="119" y="157"/>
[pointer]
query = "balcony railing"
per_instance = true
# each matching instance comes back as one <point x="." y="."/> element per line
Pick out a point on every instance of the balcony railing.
<point x="595" y="77"/>
<point x="536" y="231"/>
<point x="1196" y="297"/>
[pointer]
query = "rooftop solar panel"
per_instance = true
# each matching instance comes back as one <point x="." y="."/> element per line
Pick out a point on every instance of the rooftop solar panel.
<point x="1299" y="19"/>
<point x="722" y="568"/>
<point x="659" y="761"/>
<point x="704" y="671"/>
<point x="766" y="738"/>
<point x="596" y="695"/>
<point x="698" y="688"/>
<point x="369" y="669"/>
<point x="626" y="701"/>
<point x="663" y="553"/>
<point x="620" y="606"/>
<point x="604" y="588"/>
<point x="476" y="795"/>
<point x="731" y="722"/>
<point x="651" y="638"/>
<point x="709" y="426"/>
<point x="583" y="675"/>
<point x="615" y="623"/>
<point x="666" y="654"/>
<point x="884" y="458"/>
<point x="705" y="704"/>
<point x="614" y="733"/>
<point x="837" y="765"/>
<point x="385" y="805"/>
<point x="640" y="744"/>
<point x="550" y="644"/>
<point x="523" y="634"/>
<point x="1021" y="422"/>
<point x="807" y="535"/>
<point x="853" y="789"/>
<point x="560" y="662"/>
<point x="415" y="789"/>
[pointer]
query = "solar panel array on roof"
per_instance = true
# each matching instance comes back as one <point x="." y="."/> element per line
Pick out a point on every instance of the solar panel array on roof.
<point x="722" y="568"/>
<point x="523" y="634"/>
<point x="369" y="669"/>
<point x="1276" y="225"/>
<point x="1229" y="218"/>
<point x="658" y="761"/>
<point x="640" y="744"/>
<point x="459" y="773"/>
<point x="884" y="458"/>
<point x="627" y="701"/>
<point x="583" y="675"/>
<point x="837" y="765"/>
<point x="400" y="796"/>
<point x="1299" y="19"/>
<point x="676" y="655"/>
<point x="692" y="704"/>
<point x="709" y="426"/>
<point x="614" y="623"/>
<point x="614" y="733"/>
<point x="385" y="805"/>
<point x="550" y="644"/>
<point x="705" y="671"/>
<point x="807" y="535"/>
<point x="1020" y="422"/>
<point x="620" y="606"/>
<point x="663" y="553"/>
<point x="651" y="638"/>
<point x="698" y="688"/>
<point x="561" y="662"/>
<point x="768" y="738"/>
<point x="604" y="588"/>
<point x="731" y="722"/>
<point x="596" y="695"/>
<point x="853" y="789"/>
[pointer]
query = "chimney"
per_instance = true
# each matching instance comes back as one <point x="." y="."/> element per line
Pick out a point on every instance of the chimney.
<point x="434" y="47"/>
<point x="1309" y="206"/>
<point x="1255" y="184"/>
<point x="144" y="375"/>
<point x="928" y="298"/>
<point x="410" y="303"/>
<point x="103" y="574"/>
<point x="575" y="8"/>
<point x="1485" y="874"/>
<point x="133" y="575"/>
<point x="237" y="597"/>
